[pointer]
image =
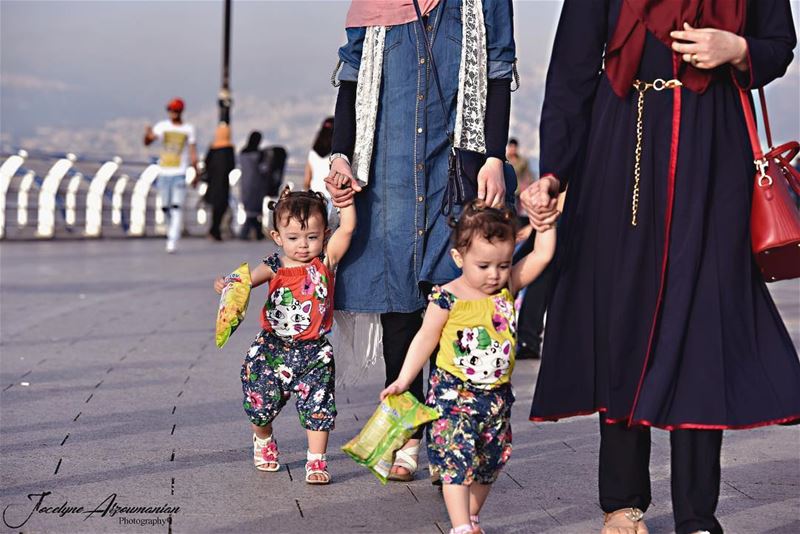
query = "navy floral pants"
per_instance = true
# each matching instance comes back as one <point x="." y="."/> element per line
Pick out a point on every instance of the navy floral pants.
<point x="471" y="441"/>
<point x="274" y="368"/>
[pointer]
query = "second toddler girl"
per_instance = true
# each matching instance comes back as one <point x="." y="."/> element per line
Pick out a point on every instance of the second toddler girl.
<point x="292" y="352"/>
<point x="472" y="320"/>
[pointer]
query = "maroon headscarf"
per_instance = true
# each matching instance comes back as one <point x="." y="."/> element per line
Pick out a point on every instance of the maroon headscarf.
<point x="660" y="17"/>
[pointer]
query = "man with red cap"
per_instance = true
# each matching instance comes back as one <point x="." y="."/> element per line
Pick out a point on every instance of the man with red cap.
<point x="179" y="150"/>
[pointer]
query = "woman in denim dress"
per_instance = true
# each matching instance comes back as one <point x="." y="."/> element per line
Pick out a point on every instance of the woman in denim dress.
<point x="400" y="248"/>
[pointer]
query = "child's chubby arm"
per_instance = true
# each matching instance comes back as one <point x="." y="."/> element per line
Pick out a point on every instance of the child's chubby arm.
<point x="259" y="275"/>
<point x="531" y="266"/>
<point x="422" y="346"/>
<point x="340" y="240"/>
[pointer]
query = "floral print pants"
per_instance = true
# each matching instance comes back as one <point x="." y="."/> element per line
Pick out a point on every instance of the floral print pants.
<point x="471" y="441"/>
<point x="274" y="368"/>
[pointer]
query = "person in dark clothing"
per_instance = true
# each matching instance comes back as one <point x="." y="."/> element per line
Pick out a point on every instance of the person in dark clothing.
<point x="252" y="186"/>
<point x="220" y="161"/>
<point x="659" y="316"/>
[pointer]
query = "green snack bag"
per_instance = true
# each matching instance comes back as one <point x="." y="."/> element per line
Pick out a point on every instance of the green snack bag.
<point x="386" y="431"/>
<point x="233" y="303"/>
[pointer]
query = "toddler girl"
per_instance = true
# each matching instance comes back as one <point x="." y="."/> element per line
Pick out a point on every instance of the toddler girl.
<point x="472" y="321"/>
<point x="292" y="352"/>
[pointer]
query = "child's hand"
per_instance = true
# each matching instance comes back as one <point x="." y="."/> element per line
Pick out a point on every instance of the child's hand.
<point x="395" y="388"/>
<point x="219" y="284"/>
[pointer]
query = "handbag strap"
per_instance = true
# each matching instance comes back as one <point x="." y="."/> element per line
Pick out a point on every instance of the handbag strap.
<point x="432" y="62"/>
<point x="752" y="129"/>
<point x="764" y="114"/>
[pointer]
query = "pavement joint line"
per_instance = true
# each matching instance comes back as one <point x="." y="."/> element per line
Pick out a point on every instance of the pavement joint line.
<point x="740" y="491"/>
<point x="123" y="357"/>
<point x="438" y="527"/>
<point x="180" y="393"/>
<point x="173" y="431"/>
<point x="64" y="440"/>
<point x="58" y="466"/>
<point x="173" y="409"/>
<point x="8" y="387"/>
<point x="514" y="480"/>
<point x="551" y="515"/>
<point x="98" y="384"/>
<point x="40" y="362"/>
<point x="26" y="374"/>
<point x="76" y="417"/>
<point x="89" y="398"/>
<point x="109" y="369"/>
<point x="570" y="447"/>
<point x="187" y="379"/>
<point x="356" y="417"/>
<point x="412" y="493"/>
<point x="191" y="365"/>
<point x="291" y="479"/>
<point x="172" y="457"/>
<point x="297" y="502"/>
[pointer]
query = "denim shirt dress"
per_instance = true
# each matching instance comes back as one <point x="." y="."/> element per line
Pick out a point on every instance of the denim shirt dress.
<point x="401" y="238"/>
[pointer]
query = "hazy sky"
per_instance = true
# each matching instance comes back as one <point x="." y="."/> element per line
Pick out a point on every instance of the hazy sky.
<point x="110" y="65"/>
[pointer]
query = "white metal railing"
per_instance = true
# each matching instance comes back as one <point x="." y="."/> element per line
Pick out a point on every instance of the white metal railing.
<point x="28" y="181"/>
<point x="46" y="218"/>
<point x="7" y="171"/>
<point x="117" y="199"/>
<point x="94" y="198"/>
<point x="139" y="200"/>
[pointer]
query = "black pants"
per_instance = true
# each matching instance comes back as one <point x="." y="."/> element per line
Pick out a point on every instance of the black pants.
<point x="217" y="212"/>
<point x="695" y="461"/>
<point x="530" y="323"/>
<point x="255" y="224"/>
<point x="398" y="331"/>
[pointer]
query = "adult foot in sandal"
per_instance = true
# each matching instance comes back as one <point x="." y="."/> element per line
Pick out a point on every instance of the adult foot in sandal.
<point x="405" y="463"/>
<point x="265" y="454"/>
<point x="625" y="521"/>
<point x="317" y="469"/>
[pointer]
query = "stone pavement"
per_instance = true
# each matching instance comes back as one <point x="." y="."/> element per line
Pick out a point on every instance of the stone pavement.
<point x="112" y="389"/>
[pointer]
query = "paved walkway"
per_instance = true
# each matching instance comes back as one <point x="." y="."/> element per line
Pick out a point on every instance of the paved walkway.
<point x="112" y="389"/>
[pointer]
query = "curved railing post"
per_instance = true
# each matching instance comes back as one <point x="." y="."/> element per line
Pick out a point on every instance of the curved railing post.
<point x="46" y="219"/>
<point x="70" y="202"/>
<point x="139" y="199"/>
<point x="94" y="198"/>
<point x="22" y="198"/>
<point x="117" y="199"/>
<point x="7" y="171"/>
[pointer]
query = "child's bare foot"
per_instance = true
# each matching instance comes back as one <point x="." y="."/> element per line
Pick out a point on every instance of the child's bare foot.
<point x="265" y="454"/>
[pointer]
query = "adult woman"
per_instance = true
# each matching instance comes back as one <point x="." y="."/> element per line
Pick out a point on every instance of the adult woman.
<point x="400" y="247"/>
<point x="658" y="316"/>
<point x="220" y="161"/>
<point x="317" y="164"/>
<point x="253" y="186"/>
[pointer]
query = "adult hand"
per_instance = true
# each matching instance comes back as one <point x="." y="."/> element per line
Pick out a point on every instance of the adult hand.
<point x="337" y="182"/>
<point x="708" y="48"/>
<point x="492" y="183"/>
<point x="540" y="201"/>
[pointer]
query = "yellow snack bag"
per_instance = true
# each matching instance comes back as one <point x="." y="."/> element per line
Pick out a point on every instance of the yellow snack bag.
<point x="395" y="420"/>
<point x="233" y="303"/>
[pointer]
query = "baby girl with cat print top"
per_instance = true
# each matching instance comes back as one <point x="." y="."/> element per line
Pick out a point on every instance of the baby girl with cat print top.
<point x="292" y="352"/>
<point x="472" y="320"/>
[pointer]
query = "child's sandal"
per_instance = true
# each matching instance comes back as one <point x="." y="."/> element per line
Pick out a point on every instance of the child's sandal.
<point x="405" y="459"/>
<point x="461" y="529"/>
<point x="317" y="470"/>
<point x="265" y="454"/>
<point x="476" y="524"/>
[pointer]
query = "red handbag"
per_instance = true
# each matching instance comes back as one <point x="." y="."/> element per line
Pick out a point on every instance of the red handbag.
<point x="774" y="217"/>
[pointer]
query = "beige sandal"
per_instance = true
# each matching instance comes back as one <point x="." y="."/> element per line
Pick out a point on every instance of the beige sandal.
<point x="624" y="521"/>
<point x="265" y="454"/>
<point x="405" y="459"/>
<point x="317" y="469"/>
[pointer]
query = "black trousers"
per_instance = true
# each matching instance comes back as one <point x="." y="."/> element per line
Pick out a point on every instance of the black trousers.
<point x="398" y="331"/>
<point x="253" y="223"/>
<point x="217" y="212"/>
<point x="695" y="463"/>
<point x="530" y="323"/>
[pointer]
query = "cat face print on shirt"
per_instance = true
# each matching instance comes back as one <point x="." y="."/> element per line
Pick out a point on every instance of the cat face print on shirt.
<point x="482" y="359"/>
<point x="288" y="316"/>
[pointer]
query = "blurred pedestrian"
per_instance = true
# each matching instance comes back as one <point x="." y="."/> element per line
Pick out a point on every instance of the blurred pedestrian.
<point x="318" y="166"/>
<point x="178" y="151"/>
<point x="524" y="176"/>
<point x="252" y="186"/>
<point x="220" y="161"/>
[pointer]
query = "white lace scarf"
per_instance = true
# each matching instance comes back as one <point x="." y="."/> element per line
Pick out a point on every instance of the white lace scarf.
<point x="472" y="83"/>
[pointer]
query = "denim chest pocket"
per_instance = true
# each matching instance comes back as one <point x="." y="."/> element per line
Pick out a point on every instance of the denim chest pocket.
<point x="454" y="26"/>
<point x="394" y="38"/>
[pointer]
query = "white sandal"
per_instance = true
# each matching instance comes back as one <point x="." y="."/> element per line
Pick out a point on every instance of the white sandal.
<point x="625" y="521"/>
<point x="265" y="454"/>
<point x="406" y="459"/>
<point x="317" y="465"/>
<point x="476" y="524"/>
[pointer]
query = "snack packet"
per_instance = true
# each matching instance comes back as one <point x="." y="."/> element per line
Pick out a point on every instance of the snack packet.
<point x="386" y="431"/>
<point x="233" y="303"/>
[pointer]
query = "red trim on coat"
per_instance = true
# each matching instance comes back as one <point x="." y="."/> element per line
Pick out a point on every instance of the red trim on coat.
<point x="678" y="426"/>
<point x="673" y="167"/>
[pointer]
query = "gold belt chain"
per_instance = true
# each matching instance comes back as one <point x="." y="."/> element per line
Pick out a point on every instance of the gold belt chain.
<point x="642" y="87"/>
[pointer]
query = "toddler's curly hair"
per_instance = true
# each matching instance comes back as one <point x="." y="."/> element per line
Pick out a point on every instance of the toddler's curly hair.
<point x="299" y="205"/>
<point x="477" y="219"/>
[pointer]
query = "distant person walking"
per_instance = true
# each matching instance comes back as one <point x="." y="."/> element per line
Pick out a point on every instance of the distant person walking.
<point x="253" y="186"/>
<point x="524" y="175"/>
<point x="179" y="150"/>
<point x="318" y="166"/>
<point x="220" y="161"/>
